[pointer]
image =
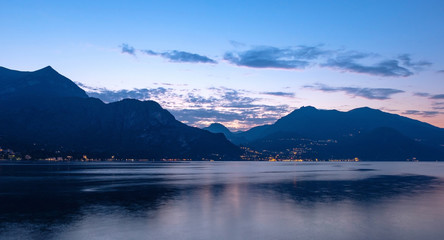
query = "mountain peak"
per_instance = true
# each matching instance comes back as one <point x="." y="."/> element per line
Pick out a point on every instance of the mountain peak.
<point x="307" y="108"/>
<point x="220" y="125"/>
<point x="45" y="82"/>
<point x="365" y="110"/>
<point x="303" y="109"/>
<point x="218" y="128"/>
<point x="47" y="69"/>
<point x="368" y="109"/>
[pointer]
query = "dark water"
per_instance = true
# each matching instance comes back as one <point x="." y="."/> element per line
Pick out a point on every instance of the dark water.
<point x="222" y="200"/>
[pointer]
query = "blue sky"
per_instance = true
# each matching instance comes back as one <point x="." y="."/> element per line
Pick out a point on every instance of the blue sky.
<point x="242" y="63"/>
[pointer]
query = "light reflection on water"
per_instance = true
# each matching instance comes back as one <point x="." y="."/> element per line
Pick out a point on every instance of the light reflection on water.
<point x="222" y="200"/>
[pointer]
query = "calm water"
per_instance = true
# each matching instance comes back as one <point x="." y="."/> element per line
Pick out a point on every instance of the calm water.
<point x="222" y="200"/>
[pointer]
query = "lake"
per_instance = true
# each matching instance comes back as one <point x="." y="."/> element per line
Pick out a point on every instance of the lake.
<point x="222" y="200"/>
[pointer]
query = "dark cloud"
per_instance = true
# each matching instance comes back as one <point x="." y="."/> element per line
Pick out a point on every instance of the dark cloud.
<point x="181" y="56"/>
<point x="437" y="96"/>
<point x="192" y="116"/>
<point x="349" y="62"/>
<point x="440" y="71"/>
<point x="282" y="94"/>
<point x="438" y="105"/>
<point x="429" y="95"/>
<point x="247" y="117"/>
<point x="418" y="65"/>
<point x="300" y="57"/>
<point x="237" y="44"/>
<point x="369" y="93"/>
<point x="422" y="113"/>
<point x="303" y="56"/>
<point x="235" y="98"/>
<point x="273" y="57"/>
<point x="150" y="52"/>
<point x="421" y="94"/>
<point x="125" y="48"/>
<point x="197" y="99"/>
<point x="232" y="98"/>
<point x="113" y="96"/>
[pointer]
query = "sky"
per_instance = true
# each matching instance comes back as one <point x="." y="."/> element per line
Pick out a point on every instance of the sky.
<point x="240" y="63"/>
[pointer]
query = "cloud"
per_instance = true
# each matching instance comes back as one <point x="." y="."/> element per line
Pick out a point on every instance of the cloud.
<point x="298" y="58"/>
<point x="232" y="98"/>
<point x="181" y="56"/>
<point x="418" y="65"/>
<point x="301" y="57"/>
<point x="421" y="94"/>
<point x="437" y="96"/>
<point x="232" y="107"/>
<point x="388" y="68"/>
<point x="196" y="115"/>
<point x="197" y="99"/>
<point x="429" y="95"/>
<point x="125" y="48"/>
<point x="108" y="96"/>
<point x="237" y="44"/>
<point x="150" y="52"/>
<point x="281" y="94"/>
<point x="438" y="105"/>
<point x="422" y="113"/>
<point x="236" y="99"/>
<point x="440" y="71"/>
<point x="244" y="119"/>
<point x="273" y="57"/>
<point x="369" y="93"/>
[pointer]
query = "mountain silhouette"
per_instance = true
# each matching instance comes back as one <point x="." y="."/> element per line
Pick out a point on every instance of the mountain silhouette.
<point x="45" y="114"/>
<point x="387" y="144"/>
<point x="45" y="82"/>
<point x="220" y="128"/>
<point x="323" y="124"/>
<point x="365" y="133"/>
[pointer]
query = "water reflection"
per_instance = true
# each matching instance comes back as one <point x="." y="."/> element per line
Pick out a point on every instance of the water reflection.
<point x="221" y="201"/>
<point x="368" y="189"/>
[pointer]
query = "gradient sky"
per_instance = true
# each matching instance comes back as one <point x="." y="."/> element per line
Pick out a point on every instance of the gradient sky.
<point x="241" y="63"/>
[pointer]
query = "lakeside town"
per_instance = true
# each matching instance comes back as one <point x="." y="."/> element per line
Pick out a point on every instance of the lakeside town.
<point x="7" y="154"/>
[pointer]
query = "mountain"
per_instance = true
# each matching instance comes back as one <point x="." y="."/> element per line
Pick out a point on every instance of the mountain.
<point x="361" y="132"/>
<point x="45" y="114"/>
<point x="219" y="128"/>
<point x="311" y="122"/>
<point x="44" y="82"/>
<point x="387" y="144"/>
<point x="324" y="124"/>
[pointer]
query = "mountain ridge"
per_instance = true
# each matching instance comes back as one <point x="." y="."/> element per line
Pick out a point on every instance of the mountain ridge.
<point x="45" y="82"/>
<point x="333" y="134"/>
<point x="63" y="120"/>
<point x="46" y="114"/>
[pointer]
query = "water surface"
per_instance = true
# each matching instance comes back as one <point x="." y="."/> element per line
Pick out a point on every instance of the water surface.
<point x="222" y="200"/>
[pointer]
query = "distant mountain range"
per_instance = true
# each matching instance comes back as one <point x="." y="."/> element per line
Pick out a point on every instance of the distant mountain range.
<point x="44" y="114"/>
<point x="363" y="133"/>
